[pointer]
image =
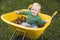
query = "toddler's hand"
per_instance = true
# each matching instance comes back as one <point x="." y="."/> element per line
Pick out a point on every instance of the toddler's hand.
<point x="16" y="11"/>
<point x="47" y="20"/>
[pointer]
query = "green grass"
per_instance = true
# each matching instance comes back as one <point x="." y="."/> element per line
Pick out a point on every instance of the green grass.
<point x="48" y="7"/>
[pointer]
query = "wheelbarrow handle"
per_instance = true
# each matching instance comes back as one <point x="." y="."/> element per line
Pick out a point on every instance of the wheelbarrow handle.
<point x="54" y="14"/>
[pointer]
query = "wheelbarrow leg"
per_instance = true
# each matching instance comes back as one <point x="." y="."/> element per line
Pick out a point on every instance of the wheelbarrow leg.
<point x="23" y="37"/>
<point x="42" y="36"/>
<point x="12" y="36"/>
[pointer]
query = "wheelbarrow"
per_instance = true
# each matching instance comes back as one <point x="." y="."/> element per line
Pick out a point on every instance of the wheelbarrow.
<point x="31" y="33"/>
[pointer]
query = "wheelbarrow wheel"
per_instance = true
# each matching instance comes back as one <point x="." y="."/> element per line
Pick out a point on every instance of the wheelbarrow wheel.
<point x="20" y="38"/>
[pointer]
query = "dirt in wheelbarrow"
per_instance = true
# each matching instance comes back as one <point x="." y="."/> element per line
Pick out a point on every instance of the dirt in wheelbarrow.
<point x="23" y="19"/>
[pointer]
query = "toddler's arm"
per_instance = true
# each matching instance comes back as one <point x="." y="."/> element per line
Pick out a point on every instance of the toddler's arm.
<point x="16" y="11"/>
<point x="24" y="12"/>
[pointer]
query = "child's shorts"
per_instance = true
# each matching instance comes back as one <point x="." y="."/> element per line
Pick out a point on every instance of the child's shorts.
<point x="29" y="25"/>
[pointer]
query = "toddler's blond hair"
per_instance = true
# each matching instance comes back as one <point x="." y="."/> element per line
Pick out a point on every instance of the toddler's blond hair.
<point x="37" y="5"/>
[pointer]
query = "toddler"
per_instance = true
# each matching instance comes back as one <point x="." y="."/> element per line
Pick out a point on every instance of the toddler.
<point x="33" y="18"/>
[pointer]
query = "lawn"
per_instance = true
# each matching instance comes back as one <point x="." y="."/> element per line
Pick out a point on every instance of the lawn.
<point x="48" y="7"/>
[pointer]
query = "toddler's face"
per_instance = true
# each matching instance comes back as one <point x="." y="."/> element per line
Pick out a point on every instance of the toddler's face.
<point x="35" y="10"/>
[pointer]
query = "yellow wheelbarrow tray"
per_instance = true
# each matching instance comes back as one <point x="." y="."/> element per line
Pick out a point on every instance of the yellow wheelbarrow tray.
<point x="31" y="33"/>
